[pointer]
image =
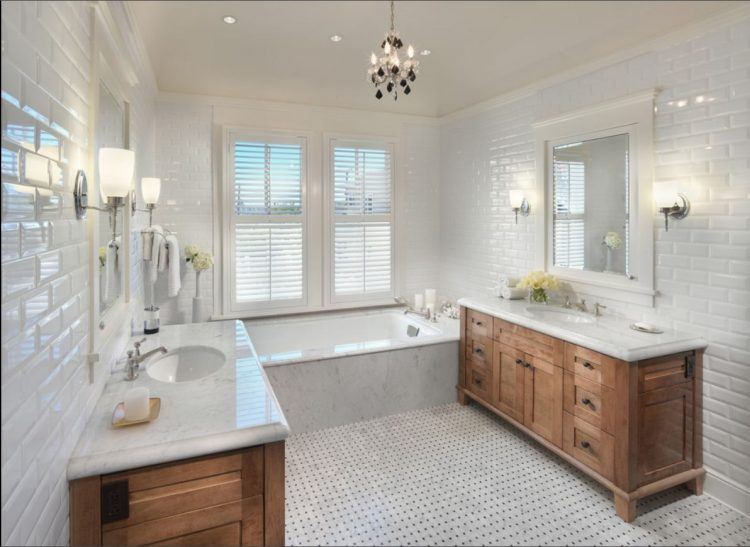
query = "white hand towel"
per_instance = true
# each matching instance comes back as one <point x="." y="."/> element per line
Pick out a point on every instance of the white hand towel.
<point x="173" y="281"/>
<point x="151" y="239"/>
<point x="507" y="281"/>
<point x="163" y="256"/>
<point x="512" y="293"/>
<point x="110" y="269"/>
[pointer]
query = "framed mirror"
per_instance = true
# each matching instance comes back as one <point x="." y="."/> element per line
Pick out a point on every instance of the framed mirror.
<point x="594" y="173"/>
<point x="111" y="134"/>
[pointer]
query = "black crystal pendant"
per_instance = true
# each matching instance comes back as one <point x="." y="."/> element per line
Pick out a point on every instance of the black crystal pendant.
<point x="372" y="78"/>
<point x="395" y="69"/>
<point x="379" y="95"/>
<point x="412" y="76"/>
<point x="402" y="83"/>
<point x="389" y="87"/>
<point x="381" y="72"/>
<point x="407" y="90"/>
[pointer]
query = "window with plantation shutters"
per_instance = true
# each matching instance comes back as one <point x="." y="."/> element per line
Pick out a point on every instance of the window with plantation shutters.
<point x="569" y="209"/>
<point x="267" y="236"/>
<point x="361" y="188"/>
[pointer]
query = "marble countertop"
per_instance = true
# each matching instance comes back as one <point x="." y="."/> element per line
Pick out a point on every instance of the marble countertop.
<point x="234" y="407"/>
<point x="608" y="334"/>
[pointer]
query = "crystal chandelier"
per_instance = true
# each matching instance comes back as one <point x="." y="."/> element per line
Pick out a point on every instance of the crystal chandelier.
<point x="390" y="71"/>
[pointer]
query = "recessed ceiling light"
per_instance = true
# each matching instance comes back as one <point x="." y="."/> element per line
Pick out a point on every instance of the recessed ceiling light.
<point x="336" y="38"/>
<point x="229" y="20"/>
<point x="425" y="52"/>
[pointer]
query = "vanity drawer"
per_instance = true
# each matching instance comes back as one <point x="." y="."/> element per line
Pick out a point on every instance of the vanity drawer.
<point x="589" y="445"/>
<point x="529" y="341"/>
<point x="479" y="379"/>
<point x="591" y="365"/>
<point x="479" y="348"/>
<point x="667" y="371"/>
<point x="478" y="324"/>
<point x="592" y="402"/>
<point x="167" y="490"/>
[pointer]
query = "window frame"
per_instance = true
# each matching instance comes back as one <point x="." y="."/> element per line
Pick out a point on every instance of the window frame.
<point x="229" y="222"/>
<point x="330" y="299"/>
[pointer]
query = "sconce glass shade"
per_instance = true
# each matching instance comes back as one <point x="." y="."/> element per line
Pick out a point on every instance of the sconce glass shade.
<point x="516" y="199"/>
<point x="116" y="167"/>
<point x="665" y="194"/>
<point x="150" y="188"/>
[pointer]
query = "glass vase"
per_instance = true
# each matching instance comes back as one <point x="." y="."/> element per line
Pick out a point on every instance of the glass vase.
<point x="539" y="296"/>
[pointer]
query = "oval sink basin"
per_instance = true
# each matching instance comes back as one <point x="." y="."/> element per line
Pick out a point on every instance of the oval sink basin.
<point x="564" y="315"/>
<point x="185" y="364"/>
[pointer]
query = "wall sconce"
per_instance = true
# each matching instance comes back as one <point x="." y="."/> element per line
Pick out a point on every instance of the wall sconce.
<point x="519" y="203"/>
<point x="116" y="166"/>
<point x="668" y="202"/>
<point x="150" y="189"/>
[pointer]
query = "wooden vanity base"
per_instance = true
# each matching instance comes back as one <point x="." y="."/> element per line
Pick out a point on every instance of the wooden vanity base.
<point x="635" y="427"/>
<point x="231" y="498"/>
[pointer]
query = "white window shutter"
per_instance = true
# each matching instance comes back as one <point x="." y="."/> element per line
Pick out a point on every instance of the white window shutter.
<point x="569" y="210"/>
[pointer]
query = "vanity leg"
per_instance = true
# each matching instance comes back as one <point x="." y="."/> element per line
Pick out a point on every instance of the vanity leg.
<point x="463" y="400"/>
<point x="625" y="508"/>
<point x="696" y="485"/>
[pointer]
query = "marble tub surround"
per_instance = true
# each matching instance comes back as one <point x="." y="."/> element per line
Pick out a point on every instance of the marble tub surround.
<point x="336" y="391"/>
<point x="607" y="334"/>
<point x="232" y="408"/>
<point x="333" y="335"/>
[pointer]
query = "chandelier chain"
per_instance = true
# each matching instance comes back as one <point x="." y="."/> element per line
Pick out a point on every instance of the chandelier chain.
<point x="393" y="15"/>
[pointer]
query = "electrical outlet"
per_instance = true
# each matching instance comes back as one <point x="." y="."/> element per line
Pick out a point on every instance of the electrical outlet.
<point x="115" y="501"/>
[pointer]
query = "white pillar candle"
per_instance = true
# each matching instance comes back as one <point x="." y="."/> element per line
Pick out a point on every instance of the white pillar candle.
<point x="418" y="301"/>
<point x="136" y="404"/>
<point x="430" y="297"/>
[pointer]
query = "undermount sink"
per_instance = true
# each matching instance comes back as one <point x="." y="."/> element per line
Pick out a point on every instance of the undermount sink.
<point x="185" y="364"/>
<point x="552" y="313"/>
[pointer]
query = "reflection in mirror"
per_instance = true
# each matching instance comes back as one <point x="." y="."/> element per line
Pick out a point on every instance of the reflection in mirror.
<point x="110" y="134"/>
<point x="590" y="188"/>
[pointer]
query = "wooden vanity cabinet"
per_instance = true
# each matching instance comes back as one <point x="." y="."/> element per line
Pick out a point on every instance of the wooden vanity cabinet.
<point x="633" y="426"/>
<point x="232" y="498"/>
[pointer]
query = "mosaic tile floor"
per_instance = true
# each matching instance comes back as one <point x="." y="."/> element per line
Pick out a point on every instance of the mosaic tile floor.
<point x="453" y="475"/>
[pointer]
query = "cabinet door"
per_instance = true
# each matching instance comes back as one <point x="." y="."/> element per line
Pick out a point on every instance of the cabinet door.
<point x="543" y="405"/>
<point x="665" y="432"/>
<point x="509" y="374"/>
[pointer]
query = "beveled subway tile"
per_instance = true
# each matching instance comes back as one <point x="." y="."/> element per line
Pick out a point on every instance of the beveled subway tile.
<point x="49" y="327"/>
<point x="35" y="170"/>
<point x="49" y="145"/>
<point x="10" y="165"/>
<point x="20" y="128"/>
<point x="35" y="237"/>
<point x="11" y="240"/>
<point x="70" y="257"/>
<point x="34" y="305"/>
<point x="19" y="350"/>
<point x="60" y="232"/>
<point x="18" y="275"/>
<point x="60" y="290"/>
<point x="18" y="202"/>
<point x="49" y="265"/>
<point x="11" y="319"/>
<point x="49" y="204"/>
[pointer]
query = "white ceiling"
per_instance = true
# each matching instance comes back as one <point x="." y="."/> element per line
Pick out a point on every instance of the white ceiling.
<point x="281" y="50"/>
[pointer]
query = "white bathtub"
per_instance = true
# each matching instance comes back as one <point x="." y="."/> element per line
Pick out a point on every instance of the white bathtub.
<point x="310" y="338"/>
<point x="329" y="370"/>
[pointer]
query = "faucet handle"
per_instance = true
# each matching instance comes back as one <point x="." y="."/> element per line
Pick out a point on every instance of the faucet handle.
<point x="130" y="353"/>
<point x="139" y="342"/>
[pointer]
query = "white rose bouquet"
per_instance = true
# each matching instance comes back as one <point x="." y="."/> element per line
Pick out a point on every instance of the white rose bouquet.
<point x="201" y="261"/>
<point x="612" y="240"/>
<point x="538" y="284"/>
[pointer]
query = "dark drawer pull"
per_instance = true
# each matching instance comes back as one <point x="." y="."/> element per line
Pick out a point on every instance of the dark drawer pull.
<point x="519" y="362"/>
<point x="585" y="444"/>
<point x="587" y="401"/>
<point x="477" y="323"/>
<point x="479" y="351"/>
<point x="588" y="365"/>
<point x="477" y="381"/>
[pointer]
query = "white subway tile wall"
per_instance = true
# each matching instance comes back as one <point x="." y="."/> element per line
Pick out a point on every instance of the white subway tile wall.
<point x="46" y="394"/>
<point x="702" y="142"/>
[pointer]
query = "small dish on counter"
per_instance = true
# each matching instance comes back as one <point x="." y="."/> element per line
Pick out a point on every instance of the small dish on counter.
<point x="118" y="415"/>
<point x="640" y="326"/>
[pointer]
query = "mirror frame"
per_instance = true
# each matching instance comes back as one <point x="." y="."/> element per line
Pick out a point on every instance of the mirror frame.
<point x="633" y="115"/>
<point x="110" y="64"/>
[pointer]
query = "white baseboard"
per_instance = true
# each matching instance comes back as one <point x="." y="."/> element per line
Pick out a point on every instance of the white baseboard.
<point x="727" y="492"/>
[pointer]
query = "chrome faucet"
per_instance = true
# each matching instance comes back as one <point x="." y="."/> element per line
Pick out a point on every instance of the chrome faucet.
<point x="135" y="359"/>
<point x="432" y="317"/>
<point x="598" y="309"/>
<point x="581" y="306"/>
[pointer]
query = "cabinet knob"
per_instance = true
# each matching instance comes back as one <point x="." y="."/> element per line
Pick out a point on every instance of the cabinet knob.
<point x="585" y="444"/>
<point x="588" y="365"/>
<point x="479" y="351"/>
<point x="519" y="361"/>
<point x="478" y="323"/>
<point x="477" y="381"/>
